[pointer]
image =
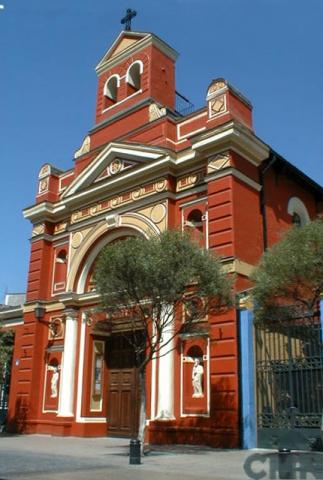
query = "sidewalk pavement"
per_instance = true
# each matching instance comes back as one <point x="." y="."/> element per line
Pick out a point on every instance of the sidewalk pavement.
<point x="41" y="457"/>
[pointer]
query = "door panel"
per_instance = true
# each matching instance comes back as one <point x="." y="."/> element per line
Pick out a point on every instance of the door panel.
<point x="123" y="395"/>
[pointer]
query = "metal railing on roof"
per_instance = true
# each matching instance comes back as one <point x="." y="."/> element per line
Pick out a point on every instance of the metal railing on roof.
<point x="182" y="105"/>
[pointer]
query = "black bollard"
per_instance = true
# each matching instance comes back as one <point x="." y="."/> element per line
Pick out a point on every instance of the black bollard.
<point x="284" y="464"/>
<point x="135" y="457"/>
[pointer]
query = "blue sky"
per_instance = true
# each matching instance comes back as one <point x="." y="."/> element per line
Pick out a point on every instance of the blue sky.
<point x="271" y="50"/>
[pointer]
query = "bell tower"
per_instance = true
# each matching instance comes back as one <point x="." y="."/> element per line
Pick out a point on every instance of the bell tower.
<point x="138" y="69"/>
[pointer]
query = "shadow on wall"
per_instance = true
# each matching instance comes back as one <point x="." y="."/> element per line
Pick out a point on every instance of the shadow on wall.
<point x="220" y="430"/>
<point x="18" y="423"/>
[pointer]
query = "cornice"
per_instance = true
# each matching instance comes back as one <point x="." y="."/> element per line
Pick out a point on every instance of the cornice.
<point x="153" y="163"/>
<point x="233" y="136"/>
<point x="12" y="314"/>
<point x="45" y="211"/>
<point x="121" y="114"/>
<point x="72" y="300"/>
<point x="235" y="173"/>
<point x="238" y="266"/>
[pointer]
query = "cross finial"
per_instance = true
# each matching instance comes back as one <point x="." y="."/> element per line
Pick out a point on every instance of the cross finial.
<point x="130" y="14"/>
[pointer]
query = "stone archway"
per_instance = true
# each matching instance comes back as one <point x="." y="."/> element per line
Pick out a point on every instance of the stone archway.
<point x="89" y="247"/>
<point x="120" y="389"/>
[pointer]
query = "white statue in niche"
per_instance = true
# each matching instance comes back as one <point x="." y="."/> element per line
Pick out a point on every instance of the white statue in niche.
<point x="197" y="378"/>
<point x="54" y="381"/>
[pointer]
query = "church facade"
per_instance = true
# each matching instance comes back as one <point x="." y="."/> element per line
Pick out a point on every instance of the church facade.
<point x="144" y="167"/>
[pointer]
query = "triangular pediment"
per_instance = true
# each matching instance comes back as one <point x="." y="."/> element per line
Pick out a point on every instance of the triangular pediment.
<point x="124" y="43"/>
<point x="127" y="44"/>
<point x="114" y="160"/>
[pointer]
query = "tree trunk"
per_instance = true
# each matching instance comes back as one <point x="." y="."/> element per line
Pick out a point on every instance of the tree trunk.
<point x="142" y="417"/>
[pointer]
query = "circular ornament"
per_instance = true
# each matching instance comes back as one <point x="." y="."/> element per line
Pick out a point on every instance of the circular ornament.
<point x="77" y="239"/>
<point x="56" y="328"/>
<point x="114" y="202"/>
<point x="44" y="171"/>
<point x="93" y="210"/>
<point x="136" y="194"/>
<point x="160" y="185"/>
<point x="115" y="166"/>
<point x="192" y="179"/>
<point x="157" y="213"/>
<point x="43" y="185"/>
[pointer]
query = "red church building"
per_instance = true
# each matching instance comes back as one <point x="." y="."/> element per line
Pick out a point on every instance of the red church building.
<point x="146" y="166"/>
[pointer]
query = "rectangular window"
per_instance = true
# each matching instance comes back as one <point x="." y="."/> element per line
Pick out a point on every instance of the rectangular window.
<point x="97" y="376"/>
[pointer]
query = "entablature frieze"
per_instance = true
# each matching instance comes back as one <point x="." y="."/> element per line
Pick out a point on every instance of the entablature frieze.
<point x="112" y="203"/>
<point x="208" y="156"/>
<point x="66" y="301"/>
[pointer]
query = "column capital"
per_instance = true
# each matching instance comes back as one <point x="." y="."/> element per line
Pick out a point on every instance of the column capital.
<point x="70" y="299"/>
<point x="71" y="313"/>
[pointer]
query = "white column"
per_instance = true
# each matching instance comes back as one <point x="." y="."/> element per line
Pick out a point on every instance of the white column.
<point x="66" y="397"/>
<point x="80" y="369"/>
<point x="165" y="410"/>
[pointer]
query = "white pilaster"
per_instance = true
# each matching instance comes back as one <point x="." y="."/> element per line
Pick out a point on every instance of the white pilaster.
<point x="165" y="409"/>
<point x="66" y="398"/>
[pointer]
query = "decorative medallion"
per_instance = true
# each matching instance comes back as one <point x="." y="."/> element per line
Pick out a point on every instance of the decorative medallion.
<point x="115" y="166"/>
<point x="38" y="230"/>
<point x="60" y="227"/>
<point x="43" y="185"/>
<point x="77" y="239"/>
<point x="157" y="213"/>
<point x="76" y="216"/>
<point x="217" y="105"/>
<point x="136" y="194"/>
<point x="93" y="210"/>
<point x="218" y="162"/>
<point x="114" y="202"/>
<point x="44" y="171"/>
<point x="125" y="198"/>
<point x="217" y="85"/>
<point x="189" y="181"/>
<point x="161" y="185"/>
<point x="55" y="328"/>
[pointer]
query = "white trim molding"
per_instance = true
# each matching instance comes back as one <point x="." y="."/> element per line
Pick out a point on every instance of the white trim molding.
<point x="232" y="136"/>
<point x="295" y="205"/>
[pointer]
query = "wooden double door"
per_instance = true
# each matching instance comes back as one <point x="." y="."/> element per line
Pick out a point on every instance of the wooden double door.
<point x="123" y="388"/>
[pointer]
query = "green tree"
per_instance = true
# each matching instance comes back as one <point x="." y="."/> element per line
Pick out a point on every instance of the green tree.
<point x="289" y="278"/>
<point x="6" y="350"/>
<point x="6" y="347"/>
<point x="156" y="280"/>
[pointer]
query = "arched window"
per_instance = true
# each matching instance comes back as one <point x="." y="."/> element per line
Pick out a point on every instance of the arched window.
<point x="194" y="226"/>
<point x="194" y="219"/>
<point x="133" y="77"/>
<point x="110" y="92"/>
<point x="61" y="256"/>
<point x="296" y="221"/>
<point x="60" y="271"/>
<point x="298" y="211"/>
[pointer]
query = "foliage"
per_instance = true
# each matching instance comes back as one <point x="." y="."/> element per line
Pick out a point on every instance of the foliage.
<point x="149" y="283"/>
<point x="289" y="278"/>
<point x="152" y="276"/>
<point x="6" y="347"/>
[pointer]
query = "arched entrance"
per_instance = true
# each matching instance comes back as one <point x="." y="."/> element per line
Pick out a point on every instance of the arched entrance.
<point x="113" y="373"/>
